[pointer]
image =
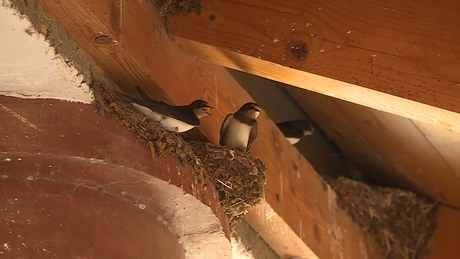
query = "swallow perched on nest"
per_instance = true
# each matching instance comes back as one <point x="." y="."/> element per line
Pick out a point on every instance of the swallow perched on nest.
<point x="295" y="130"/>
<point x="172" y="118"/>
<point x="239" y="129"/>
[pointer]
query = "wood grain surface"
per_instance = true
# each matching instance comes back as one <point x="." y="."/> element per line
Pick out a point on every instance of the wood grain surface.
<point x="390" y="149"/>
<point x="447" y="237"/>
<point x="399" y="57"/>
<point x="138" y="51"/>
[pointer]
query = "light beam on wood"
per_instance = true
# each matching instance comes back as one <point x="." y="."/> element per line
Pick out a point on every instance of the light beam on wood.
<point x="402" y="58"/>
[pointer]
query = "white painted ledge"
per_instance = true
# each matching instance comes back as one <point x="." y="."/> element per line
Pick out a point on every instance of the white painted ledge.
<point x="29" y="68"/>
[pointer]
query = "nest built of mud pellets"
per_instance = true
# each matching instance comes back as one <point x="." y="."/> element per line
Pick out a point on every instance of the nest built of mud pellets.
<point x="238" y="177"/>
<point x="401" y="222"/>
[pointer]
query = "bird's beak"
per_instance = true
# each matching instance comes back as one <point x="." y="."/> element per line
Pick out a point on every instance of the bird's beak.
<point x="307" y="132"/>
<point x="208" y="110"/>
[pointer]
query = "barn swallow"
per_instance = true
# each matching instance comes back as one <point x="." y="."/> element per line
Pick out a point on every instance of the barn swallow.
<point x="295" y="130"/>
<point x="172" y="118"/>
<point x="239" y="129"/>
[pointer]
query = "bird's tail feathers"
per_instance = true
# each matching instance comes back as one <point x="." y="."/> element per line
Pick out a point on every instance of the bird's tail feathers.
<point x="142" y="97"/>
<point x="123" y="97"/>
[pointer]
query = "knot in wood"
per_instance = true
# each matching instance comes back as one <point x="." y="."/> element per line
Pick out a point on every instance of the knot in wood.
<point x="104" y="39"/>
<point x="298" y="50"/>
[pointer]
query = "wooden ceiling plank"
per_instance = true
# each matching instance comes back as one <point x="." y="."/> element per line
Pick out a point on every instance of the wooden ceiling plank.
<point x="138" y="51"/>
<point x="403" y="60"/>
<point x="418" y="160"/>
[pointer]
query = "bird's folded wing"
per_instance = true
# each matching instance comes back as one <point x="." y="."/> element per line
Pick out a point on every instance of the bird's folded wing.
<point x="124" y="97"/>
<point x="289" y="130"/>
<point x="182" y="113"/>
<point x="252" y="135"/>
<point x="223" y="128"/>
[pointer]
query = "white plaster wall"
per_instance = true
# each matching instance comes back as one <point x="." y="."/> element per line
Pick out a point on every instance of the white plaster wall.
<point x="28" y="66"/>
<point x="239" y="251"/>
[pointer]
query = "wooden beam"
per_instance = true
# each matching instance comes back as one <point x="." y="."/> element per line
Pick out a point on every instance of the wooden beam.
<point x="401" y="58"/>
<point x="277" y="233"/>
<point x="138" y="51"/>
<point x="390" y="149"/>
<point x="447" y="236"/>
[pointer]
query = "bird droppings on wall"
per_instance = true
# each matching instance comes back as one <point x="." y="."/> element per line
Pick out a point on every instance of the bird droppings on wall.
<point x="238" y="177"/>
<point x="400" y="221"/>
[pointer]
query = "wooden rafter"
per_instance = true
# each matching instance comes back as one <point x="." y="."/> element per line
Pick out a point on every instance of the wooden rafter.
<point x="128" y="39"/>
<point x="398" y="57"/>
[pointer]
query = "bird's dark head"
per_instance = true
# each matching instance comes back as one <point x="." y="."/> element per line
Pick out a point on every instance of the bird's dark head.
<point x="250" y="110"/>
<point x="201" y="108"/>
<point x="304" y="126"/>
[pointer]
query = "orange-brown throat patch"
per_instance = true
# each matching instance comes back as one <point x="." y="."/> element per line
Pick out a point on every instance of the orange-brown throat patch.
<point x="252" y="114"/>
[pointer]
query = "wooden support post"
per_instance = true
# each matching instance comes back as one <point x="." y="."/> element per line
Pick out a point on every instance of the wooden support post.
<point x="128" y="39"/>
<point x="401" y="58"/>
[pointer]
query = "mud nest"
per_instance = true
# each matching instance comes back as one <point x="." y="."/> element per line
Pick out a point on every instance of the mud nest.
<point x="238" y="176"/>
<point x="178" y="6"/>
<point x="401" y="222"/>
<point x="159" y="141"/>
